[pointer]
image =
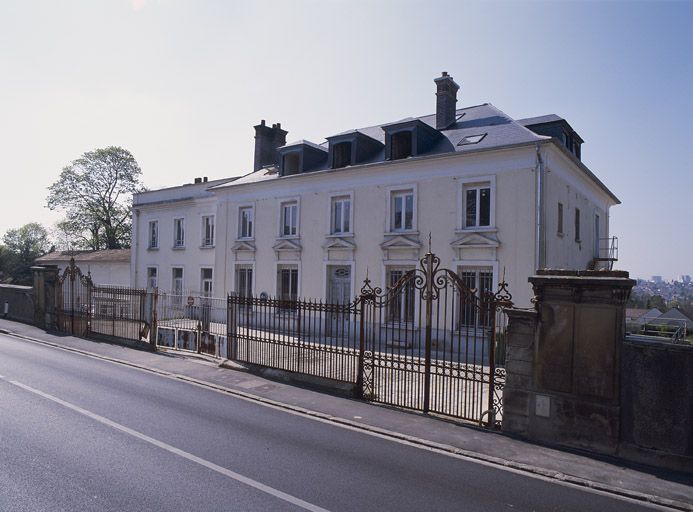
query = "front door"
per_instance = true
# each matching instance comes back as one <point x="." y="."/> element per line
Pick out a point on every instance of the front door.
<point x="338" y="292"/>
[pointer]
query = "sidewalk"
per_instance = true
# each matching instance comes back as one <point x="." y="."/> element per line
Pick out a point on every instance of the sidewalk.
<point x="610" y="475"/>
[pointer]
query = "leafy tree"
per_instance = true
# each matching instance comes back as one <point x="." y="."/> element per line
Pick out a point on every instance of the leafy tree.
<point x="24" y="244"/>
<point x="95" y="191"/>
<point x="8" y="263"/>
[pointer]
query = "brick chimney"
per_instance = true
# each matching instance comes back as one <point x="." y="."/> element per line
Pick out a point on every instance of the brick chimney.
<point x="446" y="101"/>
<point x="267" y="140"/>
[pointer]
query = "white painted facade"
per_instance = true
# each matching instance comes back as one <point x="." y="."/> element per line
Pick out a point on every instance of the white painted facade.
<point x="372" y="244"/>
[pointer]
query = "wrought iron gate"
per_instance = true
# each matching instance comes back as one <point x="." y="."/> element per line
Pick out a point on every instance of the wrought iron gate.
<point x="430" y="343"/>
<point x="73" y="301"/>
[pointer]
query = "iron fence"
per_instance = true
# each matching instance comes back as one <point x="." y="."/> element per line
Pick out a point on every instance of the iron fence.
<point x="191" y="322"/>
<point x="302" y="336"/>
<point x="119" y="311"/>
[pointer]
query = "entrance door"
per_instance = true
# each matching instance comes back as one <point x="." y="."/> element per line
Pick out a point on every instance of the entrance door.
<point x="338" y="292"/>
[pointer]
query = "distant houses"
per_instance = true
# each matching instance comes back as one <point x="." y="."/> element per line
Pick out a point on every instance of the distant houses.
<point x="651" y="320"/>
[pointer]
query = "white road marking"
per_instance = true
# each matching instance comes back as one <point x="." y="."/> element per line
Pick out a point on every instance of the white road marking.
<point x="176" y="451"/>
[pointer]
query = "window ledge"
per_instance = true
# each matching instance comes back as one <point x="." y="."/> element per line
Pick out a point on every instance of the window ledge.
<point x="206" y="247"/>
<point x="178" y="247"/>
<point x="402" y="232"/>
<point x="560" y="235"/>
<point x="340" y="235"/>
<point x="245" y="239"/>
<point x="289" y="237"/>
<point x="485" y="229"/>
<point x="152" y="248"/>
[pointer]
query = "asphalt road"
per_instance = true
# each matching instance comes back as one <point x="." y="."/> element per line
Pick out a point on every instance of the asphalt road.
<point x="79" y="433"/>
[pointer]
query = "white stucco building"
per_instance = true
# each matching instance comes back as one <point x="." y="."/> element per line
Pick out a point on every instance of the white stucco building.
<point x="496" y="196"/>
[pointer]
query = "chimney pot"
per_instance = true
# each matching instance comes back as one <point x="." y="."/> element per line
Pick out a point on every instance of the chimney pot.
<point x="198" y="180"/>
<point x="204" y="179"/>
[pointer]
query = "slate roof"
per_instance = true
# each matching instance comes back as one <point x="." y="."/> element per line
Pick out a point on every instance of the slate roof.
<point x="498" y="130"/>
<point x="672" y="317"/>
<point x="105" y="256"/>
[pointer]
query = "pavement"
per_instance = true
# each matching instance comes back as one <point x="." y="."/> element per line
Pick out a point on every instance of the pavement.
<point x="606" y="474"/>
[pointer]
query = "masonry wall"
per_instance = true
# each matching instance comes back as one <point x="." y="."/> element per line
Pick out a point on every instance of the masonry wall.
<point x="657" y="403"/>
<point x="20" y="301"/>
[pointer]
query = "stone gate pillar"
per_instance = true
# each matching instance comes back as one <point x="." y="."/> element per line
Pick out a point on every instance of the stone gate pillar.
<point x="568" y="357"/>
<point x="45" y="282"/>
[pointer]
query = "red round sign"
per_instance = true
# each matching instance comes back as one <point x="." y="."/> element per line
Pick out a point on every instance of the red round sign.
<point x="191" y="300"/>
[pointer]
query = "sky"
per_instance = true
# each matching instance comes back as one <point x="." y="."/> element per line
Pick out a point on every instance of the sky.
<point x="181" y="84"/>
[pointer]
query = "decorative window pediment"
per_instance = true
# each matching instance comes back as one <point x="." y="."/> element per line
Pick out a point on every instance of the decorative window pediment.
<point x="401" y="242"/>
<point x="339" y="243"/>
<point x="287" y="245"/>
<point x="476" y="240"/>
<point x="243" y="246"/>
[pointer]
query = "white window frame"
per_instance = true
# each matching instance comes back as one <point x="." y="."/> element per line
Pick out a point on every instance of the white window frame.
<point x="179" y="243"/>
<point x="204" y="280"/>
<point x="153" y="234"/>
<point x="282" y="204"/>
<point x="288" y="265"/>
<point x="206" y="241"/>
<point x="476" y="183"/>
<point x="182" y="280"/>
<point x="243" y="266"/>
<point x="155" y="283"/>
<point x="404" y="268"/>
<point x="401" y="190"/>
<point x="478" y="267"/>
<point x="341" y="198"/>
<point x="241" y="209"/>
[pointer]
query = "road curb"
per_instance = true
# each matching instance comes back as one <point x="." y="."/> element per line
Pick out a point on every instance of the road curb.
<point x="496" y="461"/>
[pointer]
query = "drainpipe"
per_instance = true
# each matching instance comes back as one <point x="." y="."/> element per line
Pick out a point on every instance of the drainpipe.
<point x="135" y="247"/>
<point x="540" y="234"/>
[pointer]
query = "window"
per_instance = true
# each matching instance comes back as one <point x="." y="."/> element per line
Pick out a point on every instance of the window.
<point x="577" y="224"/>
<point x="559" y="229"/>
<point x="401" y="308"/>
<point x="402" y="211"/>
<point x="341" y="156"/>
<point x="401" y="146"/>
<point x="208" y="230"/>
<point x="291" y="163"/>
<point x="153" y="234"/>
<point x="289" y="220"/>
<point x="245" y="222"/>
<point x="244" y="281"/>
<point x="177" y="281"/>
<point x="287" y="282"/>
<point x="206" y="282"/>
<point x="477" y="206"/>
<point x="177" y="285"/>
<point x="151" y="277"/>
<point x="341" y="215"/>
<point x="178" y="233"/>
<point x="472" y="310"/>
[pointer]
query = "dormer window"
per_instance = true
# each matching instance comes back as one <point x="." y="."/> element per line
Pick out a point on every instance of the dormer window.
<point x="401" y="145"/>
<point x="290" y="164"/>
<point x="410" y="137"/>
<point x="342" y="155"/>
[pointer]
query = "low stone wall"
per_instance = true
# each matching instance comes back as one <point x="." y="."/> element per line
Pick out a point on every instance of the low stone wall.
<point x="20" y="302"/>
<point x="657" y="403"/>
